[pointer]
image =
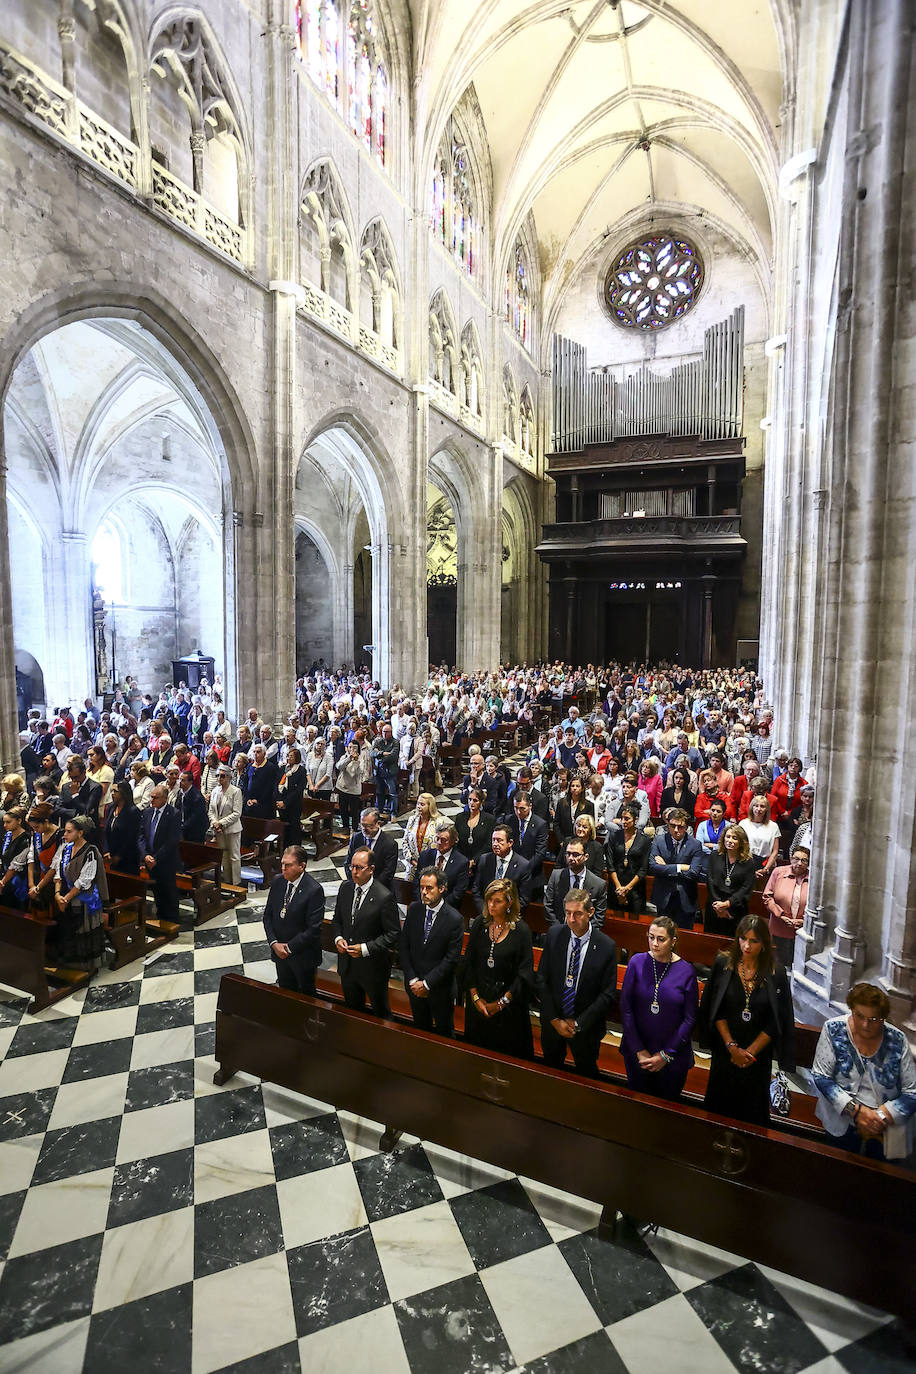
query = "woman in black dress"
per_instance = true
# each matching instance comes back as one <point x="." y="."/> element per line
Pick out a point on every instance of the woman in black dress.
<point x="731" y="872"/>
<point x="746" y="1020"/>
<point x="497" y="975"/>
<point x="678" y="793"/>
<point x="122" y="830"/>
<point x="569" y="808"/>
<point x="475" y="828"/>
<point x="628" y="852"/>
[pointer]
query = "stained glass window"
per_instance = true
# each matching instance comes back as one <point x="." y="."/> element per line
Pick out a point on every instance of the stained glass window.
<point x="452" y="211"/>
<point x="654" y="281"/>
<point x="339" y="49"/>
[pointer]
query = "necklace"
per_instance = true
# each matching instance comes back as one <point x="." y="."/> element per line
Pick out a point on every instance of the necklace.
<point x="748" y="984"/>
<point x="658" y="978"/>
<point x="728" y="871"/>
<point x="494" y="941"/>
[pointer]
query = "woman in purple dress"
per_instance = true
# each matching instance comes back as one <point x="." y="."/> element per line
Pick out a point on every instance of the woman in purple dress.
<point x="658" y="1010"/>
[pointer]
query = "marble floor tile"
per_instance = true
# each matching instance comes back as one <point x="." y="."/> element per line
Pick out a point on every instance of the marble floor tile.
<point x="282" y="1105"/>
<point x="111" y="997"/>
<point x="145" y="1257"/>
<point x="204" y="1038"/>
<point x="560" y="1212"/>
<point x="453" y="1330"/>
<point x="891" y="1349"/>
<point x="106" y="1025"/>
<point x="162" y="1016"/>
<point x="38" y="1037"/>
<point x="168" y="985"/>
<point x="335" y="1279"/>
<point x="592" y="1354"/>
<point x="69" y="1210"/>
<point x="26" y="1113"/>
<point x="646" y="1339"/>
<point x="458" y="1174"/>
<point x="235" y="1230"/>
<point x="98" y="1061"/>
<point x="834" y="1320"/>
<point x="688" y="1263"/>
<point x="151" y="1335"/>
<point x="59" y="1350"/>
<point x="10" y="1210"/>
<point x="213" y="934"/>
<point x="159" y="1085"/>
<point x="32" y="1072"/>
<point x="147" y="1187"/>
<point x="421" y="1249"/>
<point x="754" y="1324"/>
<point x="163" y="1047"/>
<point x="231" y="1111"/>
<point x="320" y="1204"/>
<point x="76" y="1150"/>
<point x="240" y="1312"/>
<point x="208" y="979"/>
<point x="301" y="1147"/>
<point x="344" y="1347"/>
<point x="231" y="1165"/>
<point x="17" y="1162"/>
<point x="158" y="1129"/>
<point x="282" y="1359"/>
<point x="620" y="1275"/>
<point x="89" y="1101"/>
<point x="205" y="1006"/>
<point x="219" y="956"/>
<point x="499" y="1222"/>
<point x="47" y="1288"/>
<point x="396" y="1182"/>
<point x="531" y="1325"/>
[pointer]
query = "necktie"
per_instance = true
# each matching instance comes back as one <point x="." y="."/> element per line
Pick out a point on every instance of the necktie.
<point x="521" y="833"/>
<point x="501" y="868"/>
<point x="357" y="900"/>
<point x="440" y="863"/>
<point x="569" y="991"/>
<point x="427" y="924"/>
<point x="575" y="882"/>
<point x="289" y="894"/>
<point x="152" y="832"/>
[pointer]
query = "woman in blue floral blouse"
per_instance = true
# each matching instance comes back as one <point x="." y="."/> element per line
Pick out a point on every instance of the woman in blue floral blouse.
<point x="866" y="1079"/>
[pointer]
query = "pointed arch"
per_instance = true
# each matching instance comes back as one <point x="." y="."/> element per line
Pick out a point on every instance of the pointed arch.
<point x="510" y="417"/>
<point x="381" y="301"/>
<point x="443" y="342"/>
<point x="325" y="210"/>
<point x="472" y="373"/>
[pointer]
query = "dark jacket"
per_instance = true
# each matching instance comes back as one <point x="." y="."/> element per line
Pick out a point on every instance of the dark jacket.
<point x="84" y="802"/>
<point x="301" y="927"/>
<point x="533" y="847"/>
<point x="743" y="877"/>
<point x="192" y="811"/>
<point x="262" y="783"/>
<point x="559" y="884"/>
<point x="518" y="871"/>
<point x="377" y="926"/>
<point x="384" y="851"/>
<point x="675" y="893"/>
<point x="435" y="960"/>
<point x="456" y="870"/>
<point x="597" y="989"/>
<point x="122" y="833"/>
<point x="780" y="998"/>
<point x="474" y="843"/>
<point x="165" y="846"/>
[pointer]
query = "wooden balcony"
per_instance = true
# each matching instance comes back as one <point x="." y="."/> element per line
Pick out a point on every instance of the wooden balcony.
<point x="699" y="534"/>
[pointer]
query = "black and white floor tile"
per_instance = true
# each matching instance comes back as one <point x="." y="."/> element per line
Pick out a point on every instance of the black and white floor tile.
<point x="150" y="1221"/>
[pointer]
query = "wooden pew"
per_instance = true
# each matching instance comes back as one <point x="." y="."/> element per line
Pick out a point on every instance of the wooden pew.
<point x="318" y="826"/>
<point x="262" y="843"/>
<point x="132" y="930"/>
<point x="24" y="963"/>
<point x="201" y="878"/>
<point x="836" y="1221"/>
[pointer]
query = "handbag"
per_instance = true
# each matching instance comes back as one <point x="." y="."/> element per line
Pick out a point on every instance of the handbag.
<point x="780" y="1097"/>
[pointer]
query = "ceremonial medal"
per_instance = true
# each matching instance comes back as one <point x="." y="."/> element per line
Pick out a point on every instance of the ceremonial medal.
<point x="282" y="912"/>
<point x="491" y="962"/>
<point x="746" y="1014"/>
<point x="654" y="1008"/>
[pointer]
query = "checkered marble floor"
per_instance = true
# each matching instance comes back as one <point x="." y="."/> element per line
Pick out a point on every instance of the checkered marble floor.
<point x="150" y="1221"/>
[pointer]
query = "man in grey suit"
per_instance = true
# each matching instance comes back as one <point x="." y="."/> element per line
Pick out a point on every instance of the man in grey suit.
<point x="574" y="875"/>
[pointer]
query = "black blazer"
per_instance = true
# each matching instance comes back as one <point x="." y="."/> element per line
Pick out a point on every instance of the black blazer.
<point x="122" y="833"/>
<point x="457" y="873"/>
<point x="687" y="803"/>
<point x="474" y="843"/>
<point x="384" y="851"/>
<point x="564" y="820"/>
<point x="291" y="796"/>
<point x="262" y="783"/>
<point x="518" y="871"/>
<point x="597" y="989"/>
<point x="628" y="866"/>
<point x="744" y="875"/>
<point x="533" y="847"/>
<point x="84" y="802"/>
<point x="192" y="811"/>
<point x="377" y="925"/>
<point x="165" y="847"/>
<point x="436" y="960"/>
<point x="780" y="996"/>
<point x="301" y="927"/>
<point x="540" y="806"/>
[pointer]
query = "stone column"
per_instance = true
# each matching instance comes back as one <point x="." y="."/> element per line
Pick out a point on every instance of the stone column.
<point x="480" y="571"/>
<point x="863" y="889"/>
<point x="9" y="719"/>
<point x="78" y="662"/>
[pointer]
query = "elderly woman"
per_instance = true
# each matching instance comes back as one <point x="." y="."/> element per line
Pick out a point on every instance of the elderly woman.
<point x="497" y="975"/>
<point x="13" y="793"/>
<point x="420" y="831"/>
<point x="224" y="813"/>
<point x="805" y="830"/>
<point x="262" y="781"/>
<point x="658" y="1010"/>
<point x="584" y="830"/>
<point x="142" y="783"/>
<point x="864" y="1073"/>
<point x="731" y="872"/>
<point x="80" y="891"/>
<point x="319" y="768"/>
<point x="352" y="771"/>
<point x="785" y="898"/>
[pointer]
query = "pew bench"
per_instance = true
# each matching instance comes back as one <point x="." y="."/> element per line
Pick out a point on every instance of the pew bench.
<point x="200" y="878"/>
<point x="262" y="842"/>
<point x="318" y="827"/>
<point x="819" y="1214"/>
<point x="24" y="963"/>
<point x="132" y="930"/>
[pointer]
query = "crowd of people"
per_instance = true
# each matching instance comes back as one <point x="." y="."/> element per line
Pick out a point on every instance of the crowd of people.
<point x="665" y="774"/>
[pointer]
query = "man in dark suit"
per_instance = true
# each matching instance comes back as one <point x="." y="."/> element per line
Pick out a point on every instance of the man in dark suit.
<point x="192" y="810"/>
<point x="529" y="835"/>
<point x="293" y="919"/>
<point x="365" y="929"/>
<point x="561" y="882"/>
<point x="159" y="840"/>
<point x="448" y="861"/>
<point x="524" y="786"/>
<point x="370" y="835"/>
<point x="502" y="862"/>
<point x="577" y="986"/>
<point x="79" y="796"/>
<point x="676" y="863"/>
<point x="430" y="950"/>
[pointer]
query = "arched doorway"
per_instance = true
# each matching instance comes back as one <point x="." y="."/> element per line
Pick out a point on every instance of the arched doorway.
<point x="114" y="459"/>
<point x="441" y="578"/>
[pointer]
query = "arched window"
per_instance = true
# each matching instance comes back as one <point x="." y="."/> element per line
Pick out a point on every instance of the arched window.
<point x="443" y="343"/>
<point x="338" y="43"/>
<point x="108" y="563"/>
<point x="510" y="407"/>
<point x="453" y="213"/>
<point x="472" y="370"/>
<point x="654" y="281"/>
<point x="517" y="292"/>
<point x="526" y="423"/>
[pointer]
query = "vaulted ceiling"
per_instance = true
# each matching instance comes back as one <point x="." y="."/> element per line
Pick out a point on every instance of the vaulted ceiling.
<point x="600" y="113"/>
